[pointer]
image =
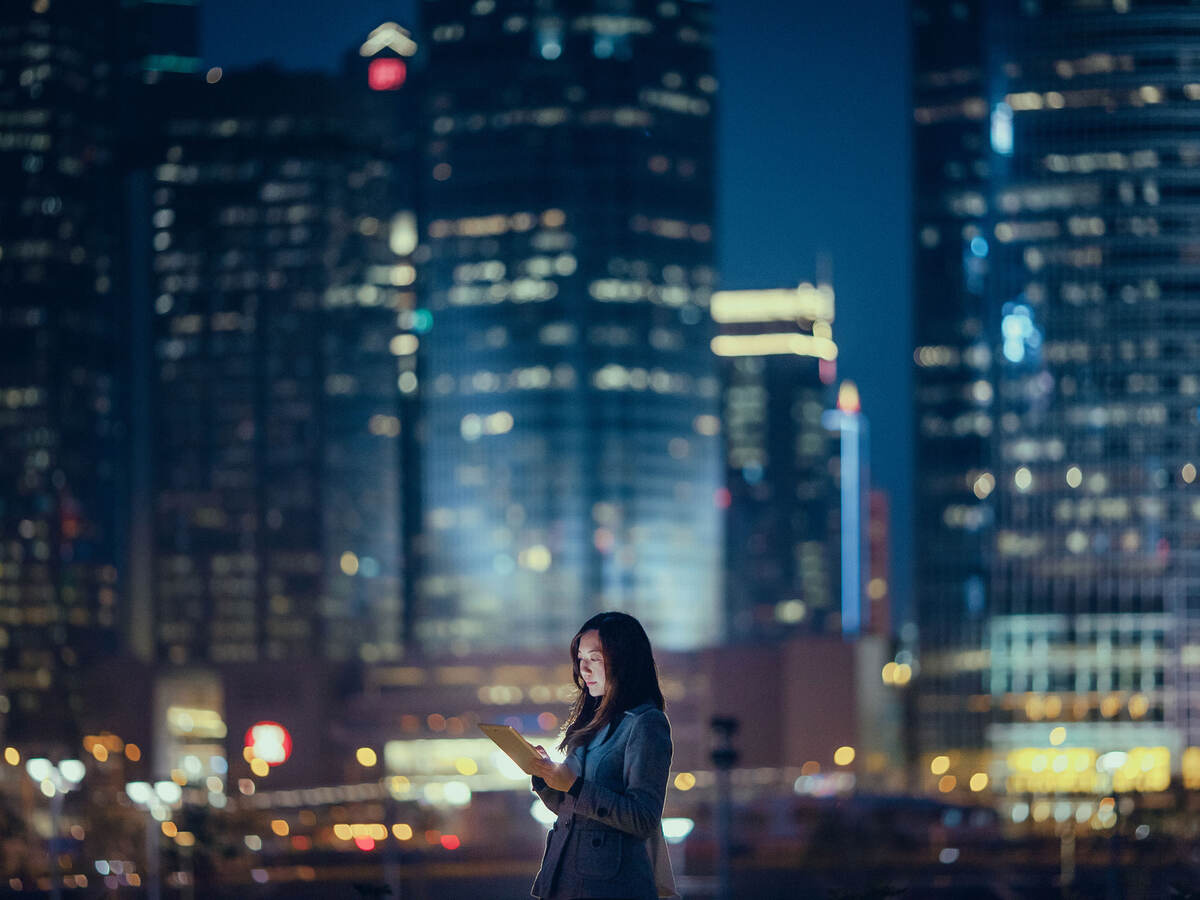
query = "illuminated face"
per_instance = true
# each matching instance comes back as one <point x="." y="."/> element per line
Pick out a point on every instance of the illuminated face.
<point x="591" y="662"/>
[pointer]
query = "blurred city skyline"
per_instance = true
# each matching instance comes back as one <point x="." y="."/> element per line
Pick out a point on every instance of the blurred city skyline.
<point x="344" y="371"/>
<point x="812" y="159"/>
<point x="410" y="368"/>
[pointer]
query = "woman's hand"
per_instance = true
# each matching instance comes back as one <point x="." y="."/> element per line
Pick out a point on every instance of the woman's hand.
<point x="556" y="775"/>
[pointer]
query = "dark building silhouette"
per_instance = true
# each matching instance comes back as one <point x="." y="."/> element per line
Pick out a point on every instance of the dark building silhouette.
<point x="953" y="357"/>
<point x="61" y="436"/>
<point x="281" y="236"/>
<point x="879" y="548"/>
<point x="567" y="382"/>
<point x="159" y="40"/>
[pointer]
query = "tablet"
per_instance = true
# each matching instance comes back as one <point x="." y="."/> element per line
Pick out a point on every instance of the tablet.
<point x="513" y="744"/>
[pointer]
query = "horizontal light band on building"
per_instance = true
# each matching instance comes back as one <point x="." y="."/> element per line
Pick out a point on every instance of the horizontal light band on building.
<point x="805" y="302"/>
<point x="1085" y="770"/>
<point x="773" y="344"/>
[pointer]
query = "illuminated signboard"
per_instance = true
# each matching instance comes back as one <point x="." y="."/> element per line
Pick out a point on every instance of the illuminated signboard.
<point x="269" y="742"/>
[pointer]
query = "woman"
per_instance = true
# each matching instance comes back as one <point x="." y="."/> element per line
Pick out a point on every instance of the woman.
<point x="608" y="794"/>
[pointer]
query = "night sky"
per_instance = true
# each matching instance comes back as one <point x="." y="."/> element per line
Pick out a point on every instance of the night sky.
<point x="813" y="144"/>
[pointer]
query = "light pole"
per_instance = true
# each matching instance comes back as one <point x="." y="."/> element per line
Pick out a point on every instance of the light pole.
<point x="55" y="782"/>
<point x="724" y="757"/>
<point x="157" y="799"/>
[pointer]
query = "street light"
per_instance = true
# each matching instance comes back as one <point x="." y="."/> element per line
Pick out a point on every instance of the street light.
<point x="55" y="782"/>
<point x="157" y="800"/>
<point x="724" y="757"/>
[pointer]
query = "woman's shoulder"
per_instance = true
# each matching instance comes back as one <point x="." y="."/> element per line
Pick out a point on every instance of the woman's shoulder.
<point x="648" y="714"/>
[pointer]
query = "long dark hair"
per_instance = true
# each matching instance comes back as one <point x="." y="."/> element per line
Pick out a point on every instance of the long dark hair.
<point x="630" y="677"/>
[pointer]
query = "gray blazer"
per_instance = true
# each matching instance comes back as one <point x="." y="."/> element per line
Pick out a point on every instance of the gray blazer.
<point x="608" y="842"/>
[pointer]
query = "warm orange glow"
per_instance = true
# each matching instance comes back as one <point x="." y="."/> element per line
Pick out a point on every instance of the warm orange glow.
<point x="848" y="400"/>
<point x="1139" y="705"/>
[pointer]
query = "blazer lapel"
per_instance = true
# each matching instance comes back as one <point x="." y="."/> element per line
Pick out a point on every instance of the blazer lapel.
<point x="575" y="759"/>
<point x="591" y="745"/>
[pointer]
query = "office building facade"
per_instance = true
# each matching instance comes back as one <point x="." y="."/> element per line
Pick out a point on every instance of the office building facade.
<point x="159" y="40"/>
<point x="570" y="397"/>
<point x="280" y="244"/>
<point x="952" y="377"/>
<point x="778" y="361"/>
<point x="61" y="435"/>
<point x="1057" y="444"/>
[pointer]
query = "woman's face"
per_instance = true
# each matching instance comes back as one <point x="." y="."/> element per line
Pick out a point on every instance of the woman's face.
<point x="591" y="662"/>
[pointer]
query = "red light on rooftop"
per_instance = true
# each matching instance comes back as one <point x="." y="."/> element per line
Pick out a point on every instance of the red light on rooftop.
<point x="451" y="841"/>
<point x="386" y="74"/>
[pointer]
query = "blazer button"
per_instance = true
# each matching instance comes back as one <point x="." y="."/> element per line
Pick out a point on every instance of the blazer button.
<point x="595" y="842"/>
<point x="602" y="811"/>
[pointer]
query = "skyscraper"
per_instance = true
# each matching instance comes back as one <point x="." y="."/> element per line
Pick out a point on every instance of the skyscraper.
<point x="879" y="551"/>
<point x="1056" y="393"/>
<point x="281" y="240"/>
<point x="60" y="352"/>
<point x="778" y="362"/>
<point x="569" y="391"/>
<point x="160" y="40"/>
<point x="853" y="509"/>
<point x="952" y="379"/>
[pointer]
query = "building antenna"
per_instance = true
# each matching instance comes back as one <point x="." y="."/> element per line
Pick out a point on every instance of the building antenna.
<point x="824" y="268"/>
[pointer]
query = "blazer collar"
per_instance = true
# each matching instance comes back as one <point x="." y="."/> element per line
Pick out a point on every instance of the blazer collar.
<point x="600" y="737"/>
<point x="581" y="752"/>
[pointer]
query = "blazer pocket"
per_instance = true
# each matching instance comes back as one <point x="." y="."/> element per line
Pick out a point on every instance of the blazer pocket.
<point x="599" y="854"/>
